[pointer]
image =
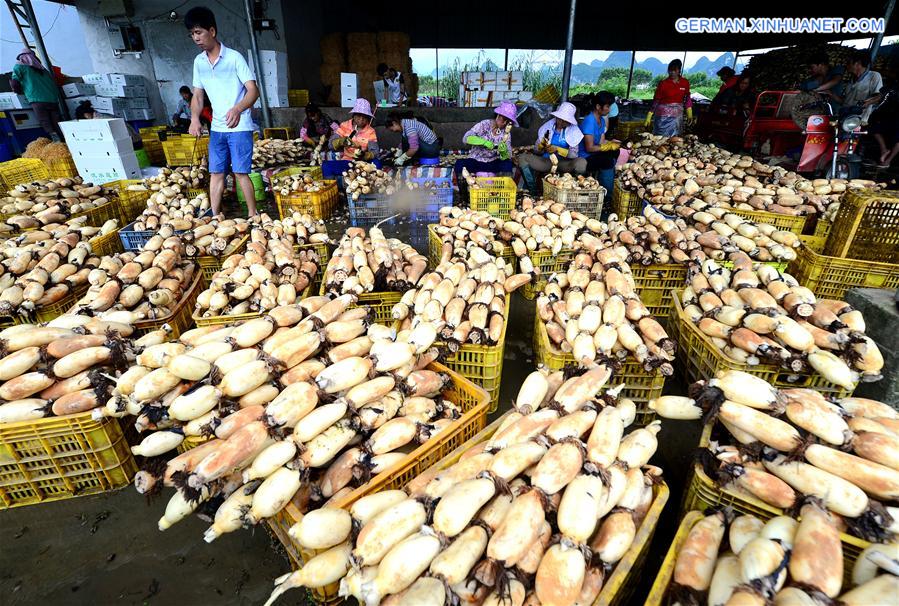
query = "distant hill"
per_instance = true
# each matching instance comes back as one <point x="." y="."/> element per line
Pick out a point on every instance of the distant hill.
<point x="588" y="73"/>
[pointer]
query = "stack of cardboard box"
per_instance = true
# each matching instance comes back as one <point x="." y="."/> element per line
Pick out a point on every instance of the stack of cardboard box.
<point x="102" y="149"/>
<point x="121" y="95"/>
<point x="274" y="72"/>
<point x="483" y="89"/>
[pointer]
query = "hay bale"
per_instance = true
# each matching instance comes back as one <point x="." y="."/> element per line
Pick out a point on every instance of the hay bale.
<point x="330" y="76"/>
<point x="361" y="45"/>
<point x="333" y="48"/>
<point x="363" y="64"/>
<point x="393" y="42"/>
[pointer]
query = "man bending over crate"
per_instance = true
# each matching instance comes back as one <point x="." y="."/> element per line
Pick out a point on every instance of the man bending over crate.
<point x="224" y="75"/>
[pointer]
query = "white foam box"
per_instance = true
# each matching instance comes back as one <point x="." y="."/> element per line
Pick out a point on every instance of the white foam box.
<point x="126" y="80"/>
<point x="473" y="79"/>
<point x="72" y="103"/>
<point x="525" y="95"/>
<point x="516" y="80"/>
<point x="347" y="100"/>
<point x="121" y="90"/>
<point x="78" y="89"/>
<point x="138" y="103"/>
<point x="95" y="79"/>
<point x="488" y="80"/>
<point x="110" y="105"/>
<point x="139" y="114"/>
<point x="79" y="132"/>
<point x="102" y="149"/>
<point x="13" y="101"/>
<point x="481" y="99"/>
<point x="104" y="170"/>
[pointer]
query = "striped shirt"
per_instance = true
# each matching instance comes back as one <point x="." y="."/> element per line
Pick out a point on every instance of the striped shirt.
<point x="413" y="130"/>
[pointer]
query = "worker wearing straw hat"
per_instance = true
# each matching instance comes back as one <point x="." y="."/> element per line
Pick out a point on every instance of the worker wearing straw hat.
<point x="354" y="139"/>
<point x="491" y="143"/>
<point x="560" y="136"/>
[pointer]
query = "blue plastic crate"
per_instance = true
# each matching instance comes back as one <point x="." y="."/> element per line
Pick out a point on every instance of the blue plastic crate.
<point x="368" y="209"/>
<point x="135" y="240"/>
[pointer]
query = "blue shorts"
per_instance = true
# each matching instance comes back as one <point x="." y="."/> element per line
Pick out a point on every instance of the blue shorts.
<point x="231" y="150"/>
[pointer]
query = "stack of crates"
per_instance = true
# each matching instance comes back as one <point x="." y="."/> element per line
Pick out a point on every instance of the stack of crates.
<point x="860" y="250"/>
<point x="149" y="136"/>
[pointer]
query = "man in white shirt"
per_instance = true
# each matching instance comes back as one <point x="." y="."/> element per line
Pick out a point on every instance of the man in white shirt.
<point x="224" y="75"/>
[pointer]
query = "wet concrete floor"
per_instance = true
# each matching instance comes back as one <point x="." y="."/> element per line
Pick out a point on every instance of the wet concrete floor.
<point x="106" y="549"/>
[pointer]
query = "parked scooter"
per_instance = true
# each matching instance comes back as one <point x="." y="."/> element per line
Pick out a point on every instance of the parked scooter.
<point x="831" y="145"/>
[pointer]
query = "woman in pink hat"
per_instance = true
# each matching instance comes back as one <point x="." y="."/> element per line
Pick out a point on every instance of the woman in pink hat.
<point x="354" y="139"/>
<point x="560" y="136"/>
<point x="491" y="143"/>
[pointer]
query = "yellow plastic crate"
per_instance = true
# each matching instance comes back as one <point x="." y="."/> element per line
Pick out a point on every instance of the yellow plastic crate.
<point x="548" y="263"/>
<point x="318" y="204"/>
<point x="21" y="170"/>
<point x="193" y="193"/>
<point x="586" y="201"/>
<point x="783" y="222"/>
<point x="324" y="253"/>
<point x="625" y="203"/>
<point x="866" y="227"/>
<point x="106" y="245"/>
<point x="701" y="360"/>
<point x="101" y="214"/>
<point x="703" y="493"/>
<point x="482" y="364"/>
<point x="435" y="249"/>
<point x="62" y="457"/>
<point x="629" y="130"/>
<point x="190" y="442"/>
<point x="180" y="319"/>
<point x="297" y="97"/>
<point x="279" y="132"/>
<point x="61" y="168"/>
<point x="210" y="265"/>
<point x="468" y="396"/>
<point x="199" y="320"/>
<point x="495" y="195"/>
<point x="381" y="303"/>
<point x="185" y="150"/>
<point x="818" y="239"/>
<point x="51" y="312"/>
<point x="131" y="203"/>
<point x="831" y="277"/>
<point x="654" y="283"/>
<point x="641" y="386"/>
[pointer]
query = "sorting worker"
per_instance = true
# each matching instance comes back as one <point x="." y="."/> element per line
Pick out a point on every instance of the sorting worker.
<point x="224" y="75"/>
<point x="355" y="139"/>
<point x="419" y="141"/>
<point x="315" y="126"/>
<point x="394" y="84"/>
<point x="863" y="93"/>
<point x="31" y="79"/>
<point x="560" y="136"/>
<point x="491" y="144"/>
<point x="728" y="78"/>
<point x="181" y="117"/>
<point x="599" y="153"/>
<point x="671" y="98"/>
